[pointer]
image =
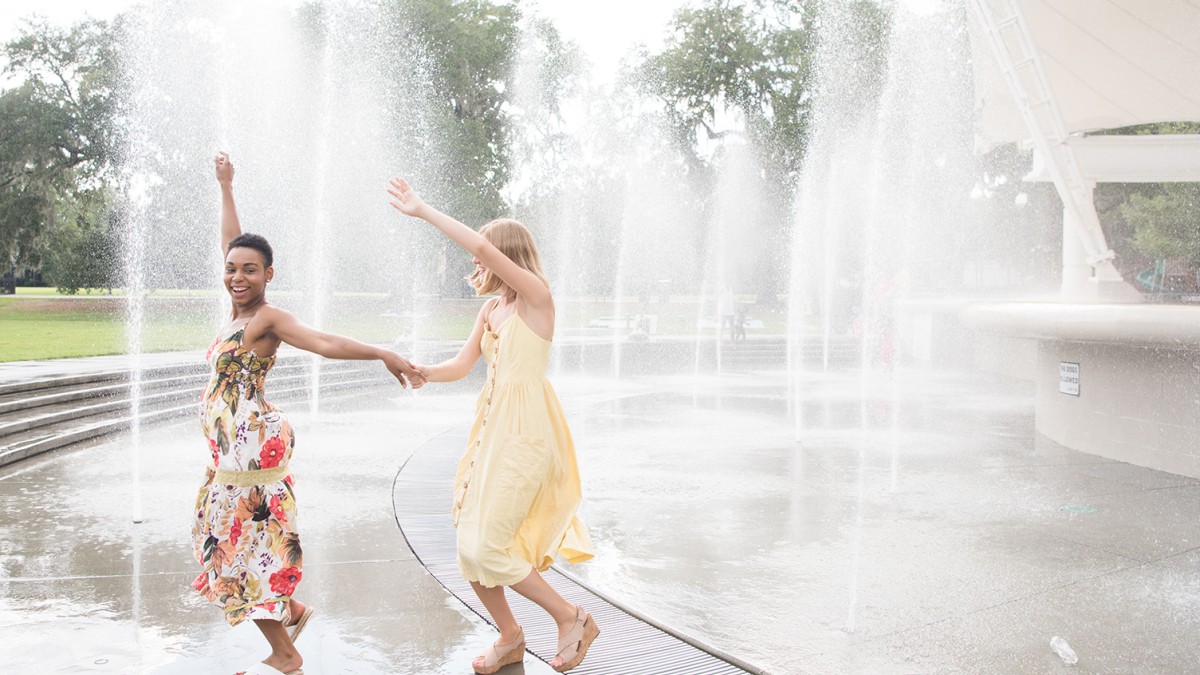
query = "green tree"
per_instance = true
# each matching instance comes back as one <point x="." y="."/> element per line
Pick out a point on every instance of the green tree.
<point x="26" y="193"/>
<point x="752" y="57"/>
<point x="1145" y="222"/>
<point x="467" y="51"/>
<point x="748" y="67"/>
<point x="84" y="247"/>
<point x="1167" y="224"/>
<point x="499" y="77"/>
<point x="56" y="131"/>
<point x="1011" y="224"/>
<point x="471" y="47"/>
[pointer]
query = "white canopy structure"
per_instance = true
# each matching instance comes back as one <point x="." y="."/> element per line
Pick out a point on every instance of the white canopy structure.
<point x="1108" y="63"/>
<point x="1048" y="71"/>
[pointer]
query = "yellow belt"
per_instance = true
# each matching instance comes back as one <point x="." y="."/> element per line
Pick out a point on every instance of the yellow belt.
<point x="248" y="478"/>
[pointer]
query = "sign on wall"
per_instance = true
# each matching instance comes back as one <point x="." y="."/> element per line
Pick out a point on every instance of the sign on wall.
<point x="1068" y="378"/>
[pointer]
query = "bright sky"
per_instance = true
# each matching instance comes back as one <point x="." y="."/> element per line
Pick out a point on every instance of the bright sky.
<point x="58" y="11"/>
<point x="604" y="30"/>
<point x="607" y="30"/>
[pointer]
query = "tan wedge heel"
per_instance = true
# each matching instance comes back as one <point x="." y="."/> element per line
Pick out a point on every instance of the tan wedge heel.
<point x="574" y="645"/>
<point x="494" y="660"/>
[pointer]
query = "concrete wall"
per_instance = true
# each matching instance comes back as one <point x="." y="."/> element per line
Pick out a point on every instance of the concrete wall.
<point x="1136" y="404"/>
<point x="1139" y="375"/>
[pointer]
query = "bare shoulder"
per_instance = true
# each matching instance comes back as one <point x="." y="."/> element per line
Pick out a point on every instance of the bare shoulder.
<point x="273" y="313"/>
<point x="485" y="310"/>
<point x="267" y="319"/>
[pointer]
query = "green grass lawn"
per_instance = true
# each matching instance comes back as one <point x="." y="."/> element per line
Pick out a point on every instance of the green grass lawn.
<point x="30" y="329"/>
<point x="35" y="328"/>
<point x="39" y="324"/>
<point x="27" y="291"/>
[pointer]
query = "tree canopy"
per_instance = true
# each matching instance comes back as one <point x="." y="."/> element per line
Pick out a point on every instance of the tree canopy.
<point x="471" y="48"/>
<point x="56" y="132"/>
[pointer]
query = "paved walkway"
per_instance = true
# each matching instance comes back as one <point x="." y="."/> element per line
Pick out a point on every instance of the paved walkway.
<point x="883" y="524"/>
<point x="83" y="589"/>
<point x="628" y="644"/>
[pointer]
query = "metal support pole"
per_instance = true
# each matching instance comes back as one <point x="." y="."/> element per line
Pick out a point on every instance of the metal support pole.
<point x="1015" y="52"/>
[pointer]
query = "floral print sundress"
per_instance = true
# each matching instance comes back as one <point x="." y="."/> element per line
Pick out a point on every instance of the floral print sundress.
<point x="245" y="538"/>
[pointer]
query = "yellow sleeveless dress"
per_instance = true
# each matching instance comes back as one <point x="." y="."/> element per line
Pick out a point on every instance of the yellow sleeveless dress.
<point x="517" y="487"/>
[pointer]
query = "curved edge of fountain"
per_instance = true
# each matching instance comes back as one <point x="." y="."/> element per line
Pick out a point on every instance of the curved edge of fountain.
<point x="1134" y="324"/>
<point x="1115" y="381"/>
<point x="673" y="632"/>
<point x="689" y="640"/>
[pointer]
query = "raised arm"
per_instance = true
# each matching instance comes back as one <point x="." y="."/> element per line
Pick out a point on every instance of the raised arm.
<point x="460" y="365"/>
<point x="230" y="225"/>
<point x="527" y="285"/>
<point x="285" y="327"/>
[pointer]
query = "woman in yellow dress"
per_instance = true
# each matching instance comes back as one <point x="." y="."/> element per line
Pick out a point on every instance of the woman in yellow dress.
<point x="517" y="487"/>
<point x="245" y="536"/>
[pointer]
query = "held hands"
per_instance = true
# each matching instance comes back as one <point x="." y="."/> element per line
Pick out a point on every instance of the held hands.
<point x="402" y="369"/>
<point x="224" y="168"/>
<point x="405" y="199"/>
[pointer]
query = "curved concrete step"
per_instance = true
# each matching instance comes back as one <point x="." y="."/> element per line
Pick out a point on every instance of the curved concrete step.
<point x="39" y="386"/>
<point x="53" y="394"/>
<point x="88" y="403"/>
<point x="22" y="395"/>
<point x="69" y="410"/>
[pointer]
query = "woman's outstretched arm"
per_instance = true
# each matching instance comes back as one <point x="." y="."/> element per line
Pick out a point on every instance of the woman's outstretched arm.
<point x="460" y="365"/>
<point x="230" y="225"/>
<point x="284" y="326"/>
<point x="527" y="285"/>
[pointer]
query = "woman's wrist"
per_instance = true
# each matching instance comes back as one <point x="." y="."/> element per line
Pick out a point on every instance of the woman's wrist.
<point x="426" y="212"/>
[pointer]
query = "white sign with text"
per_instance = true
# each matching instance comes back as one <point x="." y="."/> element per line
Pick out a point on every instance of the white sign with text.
<point x="1068" y="378"/>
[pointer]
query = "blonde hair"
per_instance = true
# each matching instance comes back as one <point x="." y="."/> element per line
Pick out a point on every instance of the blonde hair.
<point x="515" y="241"/>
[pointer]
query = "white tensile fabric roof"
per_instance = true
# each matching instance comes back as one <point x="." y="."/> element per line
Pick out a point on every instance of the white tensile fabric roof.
<point x="1109" y="63"/>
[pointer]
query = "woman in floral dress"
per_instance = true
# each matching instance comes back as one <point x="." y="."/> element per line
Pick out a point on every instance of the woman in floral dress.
<point x="245" y="536"/>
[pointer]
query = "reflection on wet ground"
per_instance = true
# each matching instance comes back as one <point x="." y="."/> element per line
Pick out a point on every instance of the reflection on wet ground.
<point x="83" y="589"/>
<point x="917" y="525"/>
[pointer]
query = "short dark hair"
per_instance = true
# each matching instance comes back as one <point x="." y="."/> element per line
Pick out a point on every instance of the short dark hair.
<point x="256" y="242"/>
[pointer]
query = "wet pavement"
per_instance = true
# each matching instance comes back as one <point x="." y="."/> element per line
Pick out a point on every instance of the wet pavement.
<point x="84" y="589"/>
<point x="917" y="525"/>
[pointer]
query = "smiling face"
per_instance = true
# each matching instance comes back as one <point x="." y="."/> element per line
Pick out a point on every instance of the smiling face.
<point x="246" y="276"/>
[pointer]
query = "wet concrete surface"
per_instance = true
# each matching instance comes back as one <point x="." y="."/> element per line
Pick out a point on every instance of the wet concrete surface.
<point x="84" y="589"/>
<point x="909" y="523"/>
<point x="917" y="525"/>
